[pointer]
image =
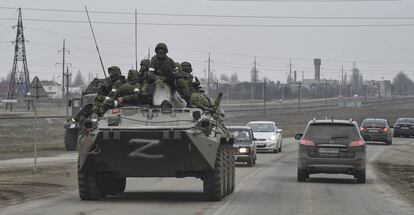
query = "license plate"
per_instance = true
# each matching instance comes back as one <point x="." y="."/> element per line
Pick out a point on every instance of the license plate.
<point x="405" y="128"/>
<point x="373" y="131"/>
<point x="328" y="150"/>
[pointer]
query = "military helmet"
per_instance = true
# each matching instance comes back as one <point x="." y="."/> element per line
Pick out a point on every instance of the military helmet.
<point x="161" y="46"/>
<point x="114" y="71"/>
<point x="186" y="67"/>
<point x="145" y="62"/>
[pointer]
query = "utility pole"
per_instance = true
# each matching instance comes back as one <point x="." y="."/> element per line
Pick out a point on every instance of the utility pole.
<point x="67" y="92"/>
<point x="300" y="94"/>
<point x="326" y="92"/>
<point x="208" y="74"/>
<point x="63" y="51"/>
<point x="379" y="92"/>
<point x="303" y="76"/>
<point x="254" y="77"/>
<point x="149" y="53"/>
<point x="264" y="97"/>
<point x="136" y="40"/>
<point x="290" y="72"/>
<point x="19" y="82"/>
<point x="342" y="82"/>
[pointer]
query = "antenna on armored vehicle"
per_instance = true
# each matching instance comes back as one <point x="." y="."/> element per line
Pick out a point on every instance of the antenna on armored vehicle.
<point x="96" y="43"/>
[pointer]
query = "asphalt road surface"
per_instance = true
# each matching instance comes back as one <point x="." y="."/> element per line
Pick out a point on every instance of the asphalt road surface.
<point x="268" y="188"/>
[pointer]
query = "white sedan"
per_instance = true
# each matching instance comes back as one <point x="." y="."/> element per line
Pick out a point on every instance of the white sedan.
<point x="267" y="135"/>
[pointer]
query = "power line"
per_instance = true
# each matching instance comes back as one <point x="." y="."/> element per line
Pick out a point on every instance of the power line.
<point x="222" y="25"/>
<point x="216" y="15"/>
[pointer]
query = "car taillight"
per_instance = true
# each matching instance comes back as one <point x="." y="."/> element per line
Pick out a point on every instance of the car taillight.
<point x="307" y="142"/>
<point x="357" y="143"/>
<point x="385" y="130"/>
<point x="363" y="129"/>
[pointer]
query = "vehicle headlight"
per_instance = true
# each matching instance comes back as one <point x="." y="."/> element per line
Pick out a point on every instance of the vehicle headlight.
<point x="72" y="126"/>
<point x="272" y="138"/>
<point x="243" y="150"/>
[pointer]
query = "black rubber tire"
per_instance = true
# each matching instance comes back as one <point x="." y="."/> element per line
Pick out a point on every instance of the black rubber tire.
<point x="280" y="148"/>
<point x="88" y="185"/>
<point x="250" y="161"/>
<point x="213" y="180"/>
<point x="111" y="183"/>
<point x="233" y="170"/>
<point x="302" y="175"/>
<point x="228" y="170"/>
<point x="71" y="139"/>
<point x="361" y="177"/>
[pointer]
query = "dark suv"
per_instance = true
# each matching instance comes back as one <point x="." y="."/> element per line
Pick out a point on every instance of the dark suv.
<point x="331" y="146"/>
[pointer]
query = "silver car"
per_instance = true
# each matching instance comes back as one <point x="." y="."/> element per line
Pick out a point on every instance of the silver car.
<point x="268" y="136"/>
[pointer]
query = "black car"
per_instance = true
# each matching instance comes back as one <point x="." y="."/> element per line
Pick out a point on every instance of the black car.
<point x="375" y="129"/>
<point x="244" y="144"/>
<point x="404" y="127"/>
<point x="331" y="146"/>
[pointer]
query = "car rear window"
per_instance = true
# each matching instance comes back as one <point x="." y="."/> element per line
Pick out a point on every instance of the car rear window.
<point x="374" y="123"/>
<point x="240" y="134"/>
<point x="406" y="120"/>
<point x="330" y="131"/>
<point x="262" y="127"/>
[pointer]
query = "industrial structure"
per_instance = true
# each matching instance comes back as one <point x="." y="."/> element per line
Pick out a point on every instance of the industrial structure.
<point x="19" y="79"/>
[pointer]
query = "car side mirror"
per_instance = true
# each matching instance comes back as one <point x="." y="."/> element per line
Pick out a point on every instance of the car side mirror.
<point x="279" y="131"/>
<point x="391" y="126"/>
<point x="298" y="136"/>
<point x="254" y="139"/>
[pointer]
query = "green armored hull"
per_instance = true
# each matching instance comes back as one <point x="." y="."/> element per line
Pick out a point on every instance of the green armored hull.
<point x="155" y="142"/>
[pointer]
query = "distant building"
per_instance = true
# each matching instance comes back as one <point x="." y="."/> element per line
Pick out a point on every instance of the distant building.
<point x="384" y="87"/>
<point x="53" y="89"/>
<point x="309" y="82"/>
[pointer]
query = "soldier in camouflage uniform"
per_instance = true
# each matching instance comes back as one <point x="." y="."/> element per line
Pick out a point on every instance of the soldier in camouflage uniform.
<point x="184" y="81"/>
<point x="143" y="71"/>
<point x="108" y="91"/>
<point x="162" y="66"/>
<point x="129" y="93"/>
<point x="198" y="98"/>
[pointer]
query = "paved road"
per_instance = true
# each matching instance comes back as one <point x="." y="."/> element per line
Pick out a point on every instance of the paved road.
<point x="268" y="188"/>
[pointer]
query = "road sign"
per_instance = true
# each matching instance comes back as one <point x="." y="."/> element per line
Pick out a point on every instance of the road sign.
<point x="36" y="89"/>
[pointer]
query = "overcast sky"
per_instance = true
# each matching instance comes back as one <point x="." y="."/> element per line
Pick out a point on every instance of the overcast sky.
<point x="378" y="51"/>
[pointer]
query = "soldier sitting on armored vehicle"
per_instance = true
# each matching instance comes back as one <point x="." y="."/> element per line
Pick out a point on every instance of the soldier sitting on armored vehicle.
<point x="184" y="81"/>
<point x="162" y="66"/>
<point x="129" y="93"/>
<point x="105" y="93"/>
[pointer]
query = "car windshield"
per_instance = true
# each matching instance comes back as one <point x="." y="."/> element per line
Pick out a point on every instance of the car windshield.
<point x="240" y="134"/>
<point x="406" y="120"/>
<point x="330" y="131"/>
<point x="262" y="127"/>
<point x="374" y="123"/>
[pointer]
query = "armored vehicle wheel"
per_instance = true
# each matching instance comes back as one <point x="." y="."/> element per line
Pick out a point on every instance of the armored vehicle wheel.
<point x="233" y="171"/>
<point x="229" y="170"/>
<point x="88" y="185"/>
<point x="111" y="183"/>
<point x="71" y="139"/>
<point x="213" y="180"/>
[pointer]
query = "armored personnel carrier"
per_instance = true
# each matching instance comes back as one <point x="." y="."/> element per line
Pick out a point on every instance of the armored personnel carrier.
<point x="79" y="105"/>
<point x="155" y="141"/>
